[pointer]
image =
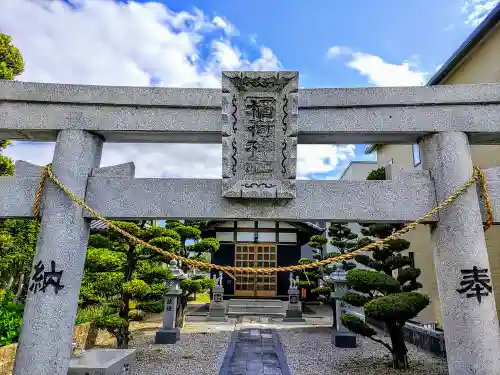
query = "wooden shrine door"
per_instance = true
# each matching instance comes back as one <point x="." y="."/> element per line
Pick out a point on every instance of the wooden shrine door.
<point x="255" y="255"/>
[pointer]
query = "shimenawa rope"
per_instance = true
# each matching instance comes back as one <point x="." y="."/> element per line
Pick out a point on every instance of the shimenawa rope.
<point x="476" y="175"/>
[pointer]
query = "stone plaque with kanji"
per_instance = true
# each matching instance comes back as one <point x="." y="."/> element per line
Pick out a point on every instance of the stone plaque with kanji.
<point x="259" y="134"/>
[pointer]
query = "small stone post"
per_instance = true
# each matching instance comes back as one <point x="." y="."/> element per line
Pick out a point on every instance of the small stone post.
<point x="468" y="307"/>
<point x="49" y="315"/>
<point x="294" y="307"/>
<point x="169" y="333"/>
<point x="217" y="310"/>
<point x="341" y="336"/>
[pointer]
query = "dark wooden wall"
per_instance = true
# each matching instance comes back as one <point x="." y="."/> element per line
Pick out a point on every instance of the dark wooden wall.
<point x="288" y="255"/>
<point x="225" y="257"/>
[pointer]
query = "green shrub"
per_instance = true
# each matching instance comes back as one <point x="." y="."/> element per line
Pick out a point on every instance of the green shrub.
<point x="356" y="325"/>
<point x="89" y="314"/>
<point x="305" y="284"/>
<point x="365" y="281"/>
<point x="377" y="174"/>
<point x="347" y="266"/>
<point x="11" y="318"/>
<point x="355" y="299"/>
<point x="325" y="290"/>
<point x="154" y="307"/>
<point x="304" y="261"/>
<point x="136" y="315"/>
<point x="111" y="323"/>
<point x="198" y="285"/>
<point x="136" y="287"/>
<point x="397" y="307"/>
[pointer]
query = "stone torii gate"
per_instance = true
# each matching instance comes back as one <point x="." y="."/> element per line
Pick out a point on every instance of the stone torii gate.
<point x="264" y="115"/>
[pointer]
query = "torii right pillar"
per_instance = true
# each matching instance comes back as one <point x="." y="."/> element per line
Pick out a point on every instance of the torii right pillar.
<point x="470" y="322"/>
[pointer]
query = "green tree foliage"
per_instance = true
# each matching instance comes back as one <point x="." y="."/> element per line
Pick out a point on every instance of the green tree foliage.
<point x="11" y="61"/>
<point x="317" y="242"/>
<point x="17" y="248"/>
<point x="192" y="246"/>
<point x="308" y="279"/>
<point x="11" y="65"/>
<point x="345" y="240"/>
<point x="11" y="317"/>
<point x="6" y="163"/>
<point x="17" y="240"/>
<point x="126" y="277"/>
<point x="342" y="237"/>
<point x="388" y="299"/>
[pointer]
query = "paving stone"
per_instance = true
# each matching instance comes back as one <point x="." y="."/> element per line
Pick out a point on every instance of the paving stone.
<point x="255" y="353"/>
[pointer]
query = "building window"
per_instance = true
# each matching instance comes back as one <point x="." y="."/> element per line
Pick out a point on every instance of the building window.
<point x="416" y="155"/>
<point x="391" y="161"/>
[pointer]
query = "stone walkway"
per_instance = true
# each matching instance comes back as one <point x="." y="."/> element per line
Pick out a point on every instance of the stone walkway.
<point x="266" y="346"/>
<point x="255" y="351"/>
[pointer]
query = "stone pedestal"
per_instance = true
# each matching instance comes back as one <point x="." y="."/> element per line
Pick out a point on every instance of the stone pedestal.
<point x="341" y="336"/>
<point x="294" y="307"/>
<point x="470" y="321"/>
<point x="169" y="333"/>
<point x="217" y="309"/>
<point x="103" y="362"/>
<point x="54" y="283"/>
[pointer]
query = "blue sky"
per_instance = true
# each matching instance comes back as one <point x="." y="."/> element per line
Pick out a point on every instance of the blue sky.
<point x="300" y="34"/>
<point x="355" y="43"/>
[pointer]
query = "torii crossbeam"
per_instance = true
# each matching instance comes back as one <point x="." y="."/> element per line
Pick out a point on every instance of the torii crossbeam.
<point x="259" y="117"/>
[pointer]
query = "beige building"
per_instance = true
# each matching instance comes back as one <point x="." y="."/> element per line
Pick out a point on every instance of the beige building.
<point x="355" y="171"/>
<point x="476" y="61"/>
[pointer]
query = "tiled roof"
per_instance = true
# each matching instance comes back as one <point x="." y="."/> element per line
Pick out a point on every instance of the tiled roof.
<point x="212" y="223"/>
<point x="100" y="226"/>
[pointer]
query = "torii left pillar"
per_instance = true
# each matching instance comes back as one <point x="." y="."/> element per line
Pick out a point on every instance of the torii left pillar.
<point x="47" y="332"/>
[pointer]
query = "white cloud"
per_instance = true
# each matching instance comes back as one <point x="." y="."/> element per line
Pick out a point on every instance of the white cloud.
<point x="225" y="25"/>
<point x="336" y="51"/>
<point x="477" y="10"/>
<point x="189" y="160"/>
<point x="105" y="43"/>
<point x="312" y="159"/>
<point x="378" y="71"/>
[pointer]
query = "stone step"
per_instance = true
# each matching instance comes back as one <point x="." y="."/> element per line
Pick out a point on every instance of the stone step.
<point x="255" y="302"/>
<point x="254" y="306"/>
<point x="270" y="314"/>
<point x="274" y="305"/>
<point x="256" y="310"/>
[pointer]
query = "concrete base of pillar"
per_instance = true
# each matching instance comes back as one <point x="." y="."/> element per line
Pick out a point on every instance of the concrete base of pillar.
<point x="217" y="313"/>
<point x="102" y="361"/>
<point x="344" y="339"/>
<point x="167" y="336"/>
<point x="293" y="316"/>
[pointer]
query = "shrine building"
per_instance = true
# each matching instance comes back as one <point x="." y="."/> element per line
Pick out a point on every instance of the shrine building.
<point x="260" y="244"/>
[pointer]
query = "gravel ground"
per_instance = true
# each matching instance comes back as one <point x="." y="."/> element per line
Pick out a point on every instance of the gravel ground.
<point x="194" y="354"/>
<point x="310" y="352"/>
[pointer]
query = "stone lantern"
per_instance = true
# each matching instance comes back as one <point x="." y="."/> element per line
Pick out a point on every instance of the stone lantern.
<point x="341" y="336"/>
<point x="169" y="333"/>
